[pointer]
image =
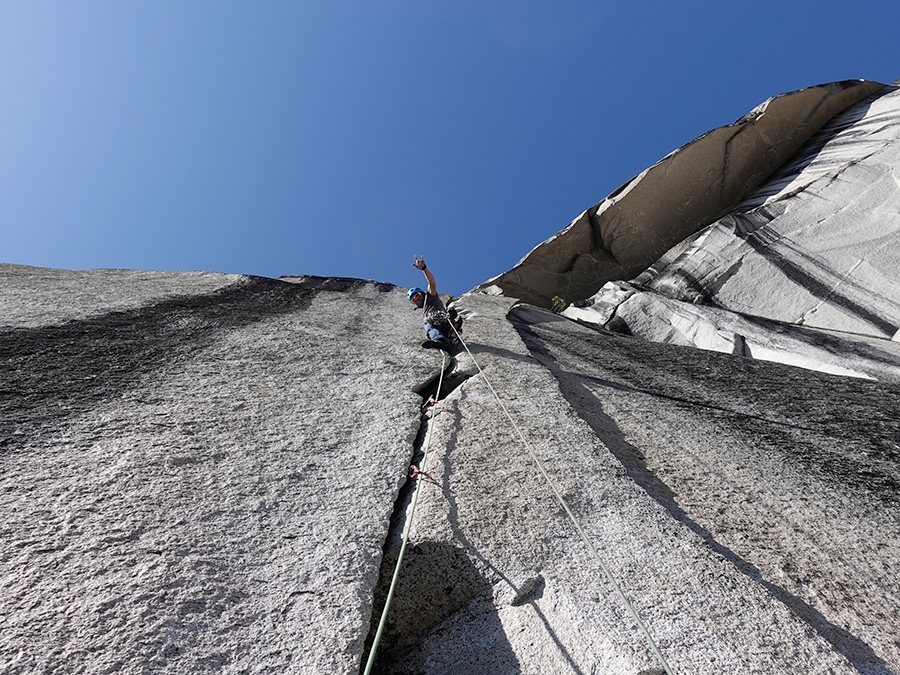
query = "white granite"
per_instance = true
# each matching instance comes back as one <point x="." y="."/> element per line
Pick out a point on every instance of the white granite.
<point x="683" y="192"/>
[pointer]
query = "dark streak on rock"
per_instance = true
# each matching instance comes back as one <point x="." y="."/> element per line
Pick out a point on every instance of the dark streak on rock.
<point x="53" y="372"/>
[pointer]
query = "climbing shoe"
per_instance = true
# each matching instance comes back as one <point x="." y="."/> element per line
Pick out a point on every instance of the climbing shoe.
<point x="444" y="344"/>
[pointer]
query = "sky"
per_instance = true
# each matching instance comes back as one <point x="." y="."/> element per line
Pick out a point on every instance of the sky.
<point x="339" y="138"/>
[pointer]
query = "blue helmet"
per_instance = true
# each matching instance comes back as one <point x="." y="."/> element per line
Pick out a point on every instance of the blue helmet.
<point x="413" y="291"/>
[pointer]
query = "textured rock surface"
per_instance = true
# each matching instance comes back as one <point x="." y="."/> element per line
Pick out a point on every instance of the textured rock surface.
<point x="750" y="535"/>
<point x="200" y="483"/>
<point x="811" y="460"/>
<point x="38" y="296"/>
<point x="204" y="484"/>
<point x="688" y="189"/>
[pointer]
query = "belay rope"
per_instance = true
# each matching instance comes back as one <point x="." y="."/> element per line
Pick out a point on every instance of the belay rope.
<point x="571" y="516"/>
<point x="417" y="472"/>
<point x="553" y="488"/>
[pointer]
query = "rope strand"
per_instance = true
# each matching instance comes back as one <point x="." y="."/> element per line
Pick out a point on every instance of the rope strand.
<point x="568" y="511"/>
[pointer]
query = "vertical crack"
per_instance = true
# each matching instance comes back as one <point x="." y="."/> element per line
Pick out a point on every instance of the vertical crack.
<point x="416" y="606"/>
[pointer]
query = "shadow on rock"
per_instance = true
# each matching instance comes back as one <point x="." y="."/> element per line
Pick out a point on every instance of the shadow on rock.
<point x="437" y="582"/>
<point x="591" y="409"/>
<point x="51" y="373"/>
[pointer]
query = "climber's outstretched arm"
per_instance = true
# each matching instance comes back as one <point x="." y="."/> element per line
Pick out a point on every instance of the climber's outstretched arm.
<point x="420" y="264"/>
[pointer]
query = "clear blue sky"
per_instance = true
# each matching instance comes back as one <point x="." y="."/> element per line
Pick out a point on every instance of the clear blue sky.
<point x="338" y="138"/>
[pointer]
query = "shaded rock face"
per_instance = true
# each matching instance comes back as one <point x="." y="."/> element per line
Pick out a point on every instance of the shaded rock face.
<point x="824" y="233"/>
<point x="748" y="510"/>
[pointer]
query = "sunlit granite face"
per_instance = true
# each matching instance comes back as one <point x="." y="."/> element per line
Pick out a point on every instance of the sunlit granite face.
<point x="209" y="473"/>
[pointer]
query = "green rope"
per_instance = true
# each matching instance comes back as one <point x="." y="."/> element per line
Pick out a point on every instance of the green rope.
<point x="569" y="513"/>
<point x="409" y="520"/>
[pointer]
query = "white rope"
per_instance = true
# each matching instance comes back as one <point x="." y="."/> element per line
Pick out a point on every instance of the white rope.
<point x="568" y="511"/>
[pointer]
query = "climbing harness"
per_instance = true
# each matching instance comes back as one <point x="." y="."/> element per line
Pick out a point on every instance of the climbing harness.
<point x="569" y="513"/>
<point x="415" y="472"/>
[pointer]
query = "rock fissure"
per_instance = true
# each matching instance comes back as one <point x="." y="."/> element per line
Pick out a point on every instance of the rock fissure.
<point x="437" y="579"/>
<point x="453" y="377"/>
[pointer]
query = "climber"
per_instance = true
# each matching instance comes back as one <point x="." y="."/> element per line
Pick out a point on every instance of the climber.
<point x="437" y="318"/>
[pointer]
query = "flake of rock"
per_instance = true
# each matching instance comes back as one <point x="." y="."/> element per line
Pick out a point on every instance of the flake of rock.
<point x="805" y="271"/>
<point x="748" y="535"/>
<point x="685" y="191"/>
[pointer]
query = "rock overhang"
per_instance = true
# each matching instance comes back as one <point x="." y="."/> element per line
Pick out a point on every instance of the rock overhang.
<point x="686" y="190"/>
